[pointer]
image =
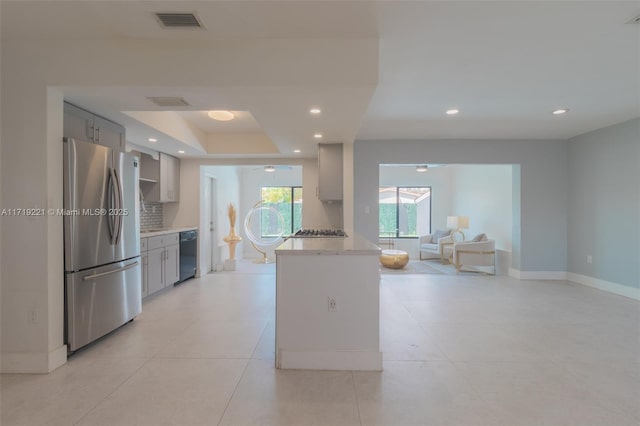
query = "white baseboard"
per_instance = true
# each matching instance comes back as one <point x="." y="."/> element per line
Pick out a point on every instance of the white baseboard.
<point x="611" y="287"/>
<point x="538" y="275"/>
<point x="330" y="360"/>
<point x="22" y="362"/>
<point x="621" y="290"/>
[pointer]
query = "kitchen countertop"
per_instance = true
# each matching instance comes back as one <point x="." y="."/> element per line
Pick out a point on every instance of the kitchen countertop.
<point x="165" y="231"/>
<point x="354" y="245"/>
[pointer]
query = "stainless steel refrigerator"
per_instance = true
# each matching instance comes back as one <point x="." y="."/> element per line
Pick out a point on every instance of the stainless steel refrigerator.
<point x="101" y="241"/>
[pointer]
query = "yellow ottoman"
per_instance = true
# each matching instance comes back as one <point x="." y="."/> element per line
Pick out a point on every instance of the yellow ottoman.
<point x="394" y="259"/>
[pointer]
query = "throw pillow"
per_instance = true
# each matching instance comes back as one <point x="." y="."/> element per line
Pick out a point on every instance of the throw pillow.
<point x="479" y="237"/>
<point x="439" y="234"/>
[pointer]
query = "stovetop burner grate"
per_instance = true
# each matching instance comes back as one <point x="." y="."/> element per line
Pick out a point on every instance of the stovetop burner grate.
<point x="319" y="233"/>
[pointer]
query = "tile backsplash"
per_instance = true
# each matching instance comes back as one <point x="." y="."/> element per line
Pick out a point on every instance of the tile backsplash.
<point x="152" y="217"/>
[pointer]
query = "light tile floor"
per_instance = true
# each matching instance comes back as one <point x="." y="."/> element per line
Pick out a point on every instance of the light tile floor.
<point x="466" y="350"/>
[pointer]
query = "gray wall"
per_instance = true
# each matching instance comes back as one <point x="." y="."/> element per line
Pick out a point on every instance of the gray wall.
<point x="540" y="220"/>
<point x="604" y="204"/>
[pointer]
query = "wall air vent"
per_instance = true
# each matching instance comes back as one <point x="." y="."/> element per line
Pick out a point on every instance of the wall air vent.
<point x="635" y="20"/>
<point x="168" y="101"/>
<point x="178" y="20"/>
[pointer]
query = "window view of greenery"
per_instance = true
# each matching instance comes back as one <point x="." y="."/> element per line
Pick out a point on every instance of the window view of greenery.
<point x="288" y="201"/>
<point x="404" y="212"/>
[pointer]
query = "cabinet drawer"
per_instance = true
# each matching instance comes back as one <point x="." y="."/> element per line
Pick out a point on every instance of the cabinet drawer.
<point x="162" y="241"/>
<point x="171" y="239"/>
<point x="143" y="244"/>
<point x="155" y="242"/>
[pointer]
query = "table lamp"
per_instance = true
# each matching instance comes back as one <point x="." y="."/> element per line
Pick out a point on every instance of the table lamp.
<point x="457" y="223"/>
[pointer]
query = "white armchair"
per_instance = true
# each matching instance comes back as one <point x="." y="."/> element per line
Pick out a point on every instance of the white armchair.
<point x="431" y="245"/>
<point x="474" y="253"/>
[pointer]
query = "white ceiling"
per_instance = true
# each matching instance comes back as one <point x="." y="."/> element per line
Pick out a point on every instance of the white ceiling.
<point x="242" y="122"/>
<point x="505" y="65"/>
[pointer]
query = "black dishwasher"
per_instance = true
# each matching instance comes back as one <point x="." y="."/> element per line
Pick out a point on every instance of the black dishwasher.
<point x="188" y="254"/>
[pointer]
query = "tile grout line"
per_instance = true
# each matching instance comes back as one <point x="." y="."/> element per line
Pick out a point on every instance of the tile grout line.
<point x="255" y="348"/>
<point x="235" y="389"/>
<point x="112" y="392"/>
<point x="355" y="392"/>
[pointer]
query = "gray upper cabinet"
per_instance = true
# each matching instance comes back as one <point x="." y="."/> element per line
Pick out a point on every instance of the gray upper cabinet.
<point x="169" y="178"/>
<point x="83" y="125"/>
<point x="160" y="179"/>
<point x="330" y="172"/>
<point x="78" y="123"/>
<point x="109" y="134"/>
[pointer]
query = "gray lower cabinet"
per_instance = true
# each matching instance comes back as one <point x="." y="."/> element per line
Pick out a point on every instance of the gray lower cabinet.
<point x="84" y="125"/>
<point x="144" y="257"/>
<point x="156" y="271"/>
<point x="162" y="260"/>
<point x="172" y="264"/>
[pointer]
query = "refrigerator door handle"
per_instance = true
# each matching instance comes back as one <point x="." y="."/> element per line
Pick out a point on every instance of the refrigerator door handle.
<point x="110" y="206"/>
<point x="102" y="274"/>
<point x="119" y="208"/>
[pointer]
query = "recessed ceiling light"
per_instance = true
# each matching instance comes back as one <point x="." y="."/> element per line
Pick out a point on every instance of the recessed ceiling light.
<point x="318" y="135"/>
<point x="153" y="140"/>
<point x="181" y="152"/>
<point x="560" y="111"/>
<point x="269" y="169"/>
<point x="315" y="111"/>
<point x="452" y="111"/>
<point x="221" y="115"/>
<point x="297" y="151"/>
<point x="421" y="169"/>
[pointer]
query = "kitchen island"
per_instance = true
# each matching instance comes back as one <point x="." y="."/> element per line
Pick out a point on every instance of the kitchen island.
<point x="328" y="304"/>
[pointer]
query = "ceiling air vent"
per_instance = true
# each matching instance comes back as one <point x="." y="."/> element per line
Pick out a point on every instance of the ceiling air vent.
<point x="168" y="101"/>
<point x="635" y="20"/>
<point x="178" y="20"/>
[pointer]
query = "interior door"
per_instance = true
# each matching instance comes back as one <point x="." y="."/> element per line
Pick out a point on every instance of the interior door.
<point x="213" y="239"/>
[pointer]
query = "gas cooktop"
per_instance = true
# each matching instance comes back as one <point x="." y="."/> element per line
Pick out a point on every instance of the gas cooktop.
<point x="319" y="233"/>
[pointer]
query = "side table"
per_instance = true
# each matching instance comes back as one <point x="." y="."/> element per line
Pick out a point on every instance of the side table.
<point x="446" y="250"/>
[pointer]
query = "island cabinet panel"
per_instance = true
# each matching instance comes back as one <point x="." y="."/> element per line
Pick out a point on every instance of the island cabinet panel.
<point x="328" y="306"/>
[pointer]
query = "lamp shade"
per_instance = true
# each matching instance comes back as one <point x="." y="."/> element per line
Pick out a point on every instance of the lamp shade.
<point x="463" y="222"/>
<point x="457" y="222"/>
<point x="452" y="222"/>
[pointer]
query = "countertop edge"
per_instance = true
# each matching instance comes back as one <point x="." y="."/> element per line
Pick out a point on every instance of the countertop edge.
<point x="144" y="234"/>
<point x="328" y="252"/>
<point x="350" y="246"/>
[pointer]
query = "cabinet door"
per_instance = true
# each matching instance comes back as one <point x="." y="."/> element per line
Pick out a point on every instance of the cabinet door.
<point x="109" y="134"/>
<point x="155" y="270"/>
<point x="175" y="179"/>
<point x="77" y="124"/>
<point x="165" y="161"/>
<point x="172" y="264"/>
<point x="169" y="178"/>
<point x="145" y="274"/>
